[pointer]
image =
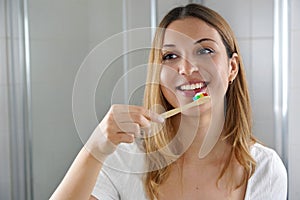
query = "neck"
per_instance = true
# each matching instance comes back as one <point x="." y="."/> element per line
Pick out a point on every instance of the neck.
<point x="191" y="132"/>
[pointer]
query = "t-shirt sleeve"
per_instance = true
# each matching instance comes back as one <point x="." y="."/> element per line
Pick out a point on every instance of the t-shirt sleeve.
<point x="278" y="189"/>
<point x="269" y="181"/>
<point x="104" y="188"/>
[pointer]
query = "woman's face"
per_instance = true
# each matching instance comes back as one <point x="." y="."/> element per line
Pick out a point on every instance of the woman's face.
<point x="194" y="60"/>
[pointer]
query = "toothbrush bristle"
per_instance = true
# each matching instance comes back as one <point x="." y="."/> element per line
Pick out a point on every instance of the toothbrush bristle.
<point x="199" y="95"/>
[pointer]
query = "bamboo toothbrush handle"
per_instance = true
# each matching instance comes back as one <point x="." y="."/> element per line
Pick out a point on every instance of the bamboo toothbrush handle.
<point x="175" y="111"/>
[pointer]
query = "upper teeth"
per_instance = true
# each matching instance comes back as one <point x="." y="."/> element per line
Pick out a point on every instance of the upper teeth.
<point x="192" y="86"/>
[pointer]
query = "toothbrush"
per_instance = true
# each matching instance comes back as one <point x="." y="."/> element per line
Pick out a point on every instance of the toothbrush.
<point x="198" y="99"/>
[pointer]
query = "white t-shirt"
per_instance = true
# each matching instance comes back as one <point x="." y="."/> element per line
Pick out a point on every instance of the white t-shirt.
<point x="121" y="176"/>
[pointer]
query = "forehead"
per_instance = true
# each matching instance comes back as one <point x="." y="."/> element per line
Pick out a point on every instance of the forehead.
<point x="190" y="29"/>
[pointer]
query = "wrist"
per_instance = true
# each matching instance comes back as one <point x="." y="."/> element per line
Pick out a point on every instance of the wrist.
<point x="99" y="146"/>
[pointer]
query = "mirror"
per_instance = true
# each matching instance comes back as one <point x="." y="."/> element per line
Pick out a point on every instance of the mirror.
<point x="63" y="39"/>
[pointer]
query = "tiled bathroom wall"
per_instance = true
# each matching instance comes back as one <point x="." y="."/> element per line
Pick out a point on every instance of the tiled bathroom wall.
<point x="62" y="35"/>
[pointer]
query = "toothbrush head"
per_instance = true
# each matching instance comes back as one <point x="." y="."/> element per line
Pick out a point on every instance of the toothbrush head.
<point x="199" y="95"/>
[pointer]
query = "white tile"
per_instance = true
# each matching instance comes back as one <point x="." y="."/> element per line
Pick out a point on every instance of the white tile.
<point x="237" y="13"/>
<point x="295" y="14"/>
<point x="262" y="18"/>
<point x="295" y="69"/>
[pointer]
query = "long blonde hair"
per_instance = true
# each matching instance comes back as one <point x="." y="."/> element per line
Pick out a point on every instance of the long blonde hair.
<point x="238" y="121"/>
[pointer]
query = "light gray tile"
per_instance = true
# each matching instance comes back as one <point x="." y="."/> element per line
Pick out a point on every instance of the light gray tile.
<point x="134" y="10"/>
<point x="294" y="172"/>
<point x="264" y="131"/>
<point x="3" y="62"/>
<point x="163" y="7"/>
<point x="246" y="53"/>
<point x="63" y="20"/>
<point x="5" y="182"/>
<point x="14" y="19"/>
<point x="237" y="13"/>
<point x="13" y="55"/>
<point x="295" y="14"/>
<point x="295" y="69"/>
<point x="99" y="28"/>
<point x="294" y="110"/>
<point x="262" y="78"/>
<point x="53" y="60"/>
<point x="2" y="20"/>
<point x="4" y="126"/>
<point x="262" y="18"/>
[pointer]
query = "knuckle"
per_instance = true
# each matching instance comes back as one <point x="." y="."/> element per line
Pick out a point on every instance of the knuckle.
<point x="136" y="128"/>
<point x="140" y="118"/>
<point x="111" y="117"/>
<point x="114" y="107"/>
<point x="110" y="137"/>
<point x="113" y="138"/>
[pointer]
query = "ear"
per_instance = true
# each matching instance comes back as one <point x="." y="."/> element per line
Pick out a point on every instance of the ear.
<point x="233" y="67"/>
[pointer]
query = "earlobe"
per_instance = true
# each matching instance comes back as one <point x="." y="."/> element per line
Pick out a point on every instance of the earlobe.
<point x="233" y="67"/>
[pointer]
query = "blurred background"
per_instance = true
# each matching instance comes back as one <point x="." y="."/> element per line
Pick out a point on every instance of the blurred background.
<point x="47" y="108"/>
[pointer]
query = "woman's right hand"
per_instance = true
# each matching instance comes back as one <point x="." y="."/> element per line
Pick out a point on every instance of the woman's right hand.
<point x="121" y="124"/>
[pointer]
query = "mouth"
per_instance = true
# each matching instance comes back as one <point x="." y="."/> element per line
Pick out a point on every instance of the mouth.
<point x="193" y="88"/>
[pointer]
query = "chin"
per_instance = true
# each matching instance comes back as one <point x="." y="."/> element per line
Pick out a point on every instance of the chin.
<point x="197" y="111"/>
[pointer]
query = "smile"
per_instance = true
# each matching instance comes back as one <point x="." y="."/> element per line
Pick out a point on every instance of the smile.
<point x="194" y="86"/>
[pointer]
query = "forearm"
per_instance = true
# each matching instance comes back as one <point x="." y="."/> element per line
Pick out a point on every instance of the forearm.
<point x="79" y="181"/>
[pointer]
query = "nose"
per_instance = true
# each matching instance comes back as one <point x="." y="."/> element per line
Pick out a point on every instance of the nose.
<point x="186" y="68"/>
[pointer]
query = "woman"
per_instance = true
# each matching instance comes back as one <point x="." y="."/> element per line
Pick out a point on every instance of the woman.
<point x="194" y="50"/>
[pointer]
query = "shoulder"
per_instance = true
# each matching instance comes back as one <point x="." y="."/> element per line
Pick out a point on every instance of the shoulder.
<point x="270" y="176"/>
<point x="268" y="162"/>
<point x="264" y="156"/>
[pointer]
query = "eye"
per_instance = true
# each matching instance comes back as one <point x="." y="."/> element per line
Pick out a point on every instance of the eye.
<point x="169" y="56"/>
<point x="205" y="51"/>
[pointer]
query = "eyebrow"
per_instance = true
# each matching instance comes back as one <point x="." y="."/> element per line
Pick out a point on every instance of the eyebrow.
<point x="203" y="40"/>
<point x="197" y="42"/>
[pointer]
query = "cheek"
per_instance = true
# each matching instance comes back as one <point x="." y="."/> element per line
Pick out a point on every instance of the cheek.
<point x="167" y="85"/>
<point x="168" y="77"/>
<point x="216" y="71"/>
<point x="219" y="72"/>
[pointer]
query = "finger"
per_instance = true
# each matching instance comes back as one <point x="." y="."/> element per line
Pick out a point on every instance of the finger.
<point x="132" y="118"/>
<point x="132" y="128"/>
<point x="150" y="115"/>
<point x="121" y="138"/>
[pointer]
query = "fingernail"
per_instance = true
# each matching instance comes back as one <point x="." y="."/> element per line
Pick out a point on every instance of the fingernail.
<point x="156" y="117"/>
<point x="160" y="119"/>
